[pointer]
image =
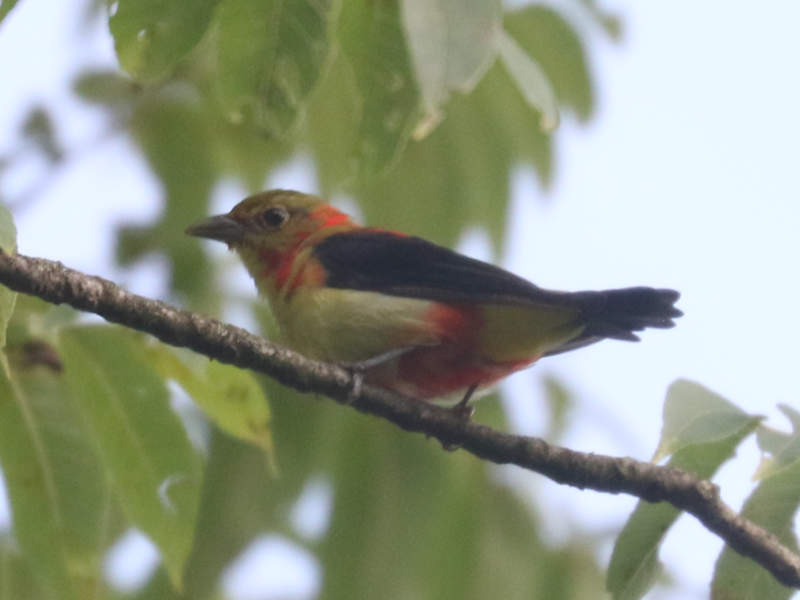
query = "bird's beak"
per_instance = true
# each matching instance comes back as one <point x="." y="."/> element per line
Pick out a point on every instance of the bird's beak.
<point x="220" y="227"/>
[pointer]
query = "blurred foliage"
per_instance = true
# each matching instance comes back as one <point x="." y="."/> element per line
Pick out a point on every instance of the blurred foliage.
<point x="773" y="505"/>
<point x="270" y="56"/>
<point x="141" y="443"/>
<point x="420" y="112"/>
<point x="560" y="401"/>
<point x="8" y="243"/>
<point x="5" y="8"/>
<point x="693" y="415"/>
<point x="449" y="52"/>
<point x="404" y="107"/>
<point x="150" y="36"/>
<point x="701" y="431"/>
<point x="235" y="91"/>
<point x="232" y="397"/>
<point x="38" y="128"/>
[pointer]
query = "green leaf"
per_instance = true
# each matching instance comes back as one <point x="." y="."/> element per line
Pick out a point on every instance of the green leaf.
<point x="513" y="562"/>
<point x="771" y="440"/>
<point x="247" y="154"/>
<point x="792" y="414"/>
<point x="67" y="511"/>
<point x="270" y="56"/>
<point x="160" y="588"/>
<point x="230" y="396"/>
<point x="143" y="444"/>
<point x="609" y="21"/>
<point x="17" y="579"/>
<point x="561" y="401"/>
<point x="386" y="487"/>
<point x="772" y="505"/>
<point x="552" y="42"/>
<point x="373" y="42"/>
<point x="36" y="501"/>
<point x="332" y="126"/>
<point x="151" y="36"/>
<point x="460" y="533"/>
<point x="459" y="175"/>
<point x="5" y="8"/>
<point x="237" y="504"/>
<point x="35" y="323"/>
<point x="106" y="88"/>
<point x="8" y="244"/>
<point x="452" y="44"/>
<point x="634" y="563"/>
<point x="694" y="415"/>
<point x="531" y="80"/>
<point x="39" y="129"/>
<point x="176" y="135"/>
<point x="8" y="231"/>
<point x="784" y="447"/>
<point x="84" y="493"/>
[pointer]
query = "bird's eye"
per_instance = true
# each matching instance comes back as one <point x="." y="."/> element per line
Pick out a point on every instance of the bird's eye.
<point x="275" y="217"/>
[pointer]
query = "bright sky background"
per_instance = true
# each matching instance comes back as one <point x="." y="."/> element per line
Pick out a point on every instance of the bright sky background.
<point x="687" y="177"/>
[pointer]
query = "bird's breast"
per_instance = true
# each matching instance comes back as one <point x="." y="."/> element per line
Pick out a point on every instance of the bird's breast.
<point x="351" y="326"/>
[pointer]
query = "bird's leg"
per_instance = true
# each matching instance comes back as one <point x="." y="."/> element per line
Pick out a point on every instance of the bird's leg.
<point x="463" y="410"/>
<point x="378" y="359"/>
<point x="358" y="368"/>
<point x="358" y="383"/>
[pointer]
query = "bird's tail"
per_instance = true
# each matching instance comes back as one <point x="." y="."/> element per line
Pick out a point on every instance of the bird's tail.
<point x="617" y="314"/>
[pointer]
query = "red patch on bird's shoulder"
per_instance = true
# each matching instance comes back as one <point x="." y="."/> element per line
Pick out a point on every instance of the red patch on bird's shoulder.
<point x="328" y="216"/>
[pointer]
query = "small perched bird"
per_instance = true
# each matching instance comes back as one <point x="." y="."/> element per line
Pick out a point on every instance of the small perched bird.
<point x="412" y="316"/>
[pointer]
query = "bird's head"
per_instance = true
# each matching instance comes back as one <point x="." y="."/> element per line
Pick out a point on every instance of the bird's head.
<point x="268" y="228"/>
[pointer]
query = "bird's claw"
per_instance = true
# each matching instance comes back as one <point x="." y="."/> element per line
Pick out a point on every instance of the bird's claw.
<point x="357" y="377"/>
<point x="463" y="411"/>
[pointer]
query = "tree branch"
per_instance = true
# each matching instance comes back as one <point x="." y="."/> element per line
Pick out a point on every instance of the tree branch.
<point x="55" y="283"/>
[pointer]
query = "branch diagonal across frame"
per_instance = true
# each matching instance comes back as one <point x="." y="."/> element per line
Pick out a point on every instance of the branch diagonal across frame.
<point x="58" y="284"/>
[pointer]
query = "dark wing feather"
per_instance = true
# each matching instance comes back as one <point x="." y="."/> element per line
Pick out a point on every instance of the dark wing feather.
<point x="415" y="268"/>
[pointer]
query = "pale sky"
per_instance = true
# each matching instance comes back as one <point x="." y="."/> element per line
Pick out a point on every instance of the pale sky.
<point x="687" y="177"/>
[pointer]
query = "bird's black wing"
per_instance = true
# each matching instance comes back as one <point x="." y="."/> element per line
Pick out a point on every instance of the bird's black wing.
<point x="384" y="262"/>
<point x="411" y="267"/>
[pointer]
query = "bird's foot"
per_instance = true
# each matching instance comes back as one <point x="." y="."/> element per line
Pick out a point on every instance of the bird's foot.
<point x="463" y="410"/>
<point x="359" y="368"/>
<point x="354" y="393"/>
<point x="356" y="372"/>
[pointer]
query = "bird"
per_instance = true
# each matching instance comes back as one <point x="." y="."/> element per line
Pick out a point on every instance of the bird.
<point x="409" y="315"/>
